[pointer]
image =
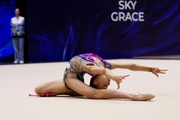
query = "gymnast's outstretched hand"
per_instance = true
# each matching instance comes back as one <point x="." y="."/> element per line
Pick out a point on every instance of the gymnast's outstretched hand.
<point x="118" y="79"/>
<point x="157" y="71"/>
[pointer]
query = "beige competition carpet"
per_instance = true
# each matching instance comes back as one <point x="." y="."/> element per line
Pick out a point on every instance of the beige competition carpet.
<point x="17" y="81"/>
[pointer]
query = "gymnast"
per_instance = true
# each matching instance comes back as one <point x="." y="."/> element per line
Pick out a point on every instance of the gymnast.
<point x="100" y="70"/>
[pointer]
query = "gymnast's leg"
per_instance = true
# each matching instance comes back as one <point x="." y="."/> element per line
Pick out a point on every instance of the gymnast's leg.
<point x="92" y="93"/>
<point x="54" y="88"/>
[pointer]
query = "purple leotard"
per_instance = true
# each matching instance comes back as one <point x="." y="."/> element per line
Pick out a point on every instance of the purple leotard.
<point x="89" y="57"/>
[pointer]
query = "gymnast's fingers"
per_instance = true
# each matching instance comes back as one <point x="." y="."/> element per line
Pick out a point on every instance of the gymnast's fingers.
<point x="164" y="69"/>
<point x="163" y="72"/>
<point x="118" y="84"/>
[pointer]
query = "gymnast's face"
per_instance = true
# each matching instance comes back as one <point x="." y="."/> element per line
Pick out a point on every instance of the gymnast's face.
<point x="102" y="82"/>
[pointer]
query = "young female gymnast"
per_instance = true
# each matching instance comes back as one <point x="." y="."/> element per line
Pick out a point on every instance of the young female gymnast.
<point x="73" y="81"/>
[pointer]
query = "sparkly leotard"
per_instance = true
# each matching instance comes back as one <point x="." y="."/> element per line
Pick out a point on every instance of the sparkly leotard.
<point x="75" y="67"/>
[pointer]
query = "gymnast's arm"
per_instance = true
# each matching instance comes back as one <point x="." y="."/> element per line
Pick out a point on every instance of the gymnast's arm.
<point x="92" y="69"/>
<point x="132" y="67"/>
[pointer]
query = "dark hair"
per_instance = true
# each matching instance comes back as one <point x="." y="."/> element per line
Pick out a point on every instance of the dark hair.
<point x="92" y="81"/>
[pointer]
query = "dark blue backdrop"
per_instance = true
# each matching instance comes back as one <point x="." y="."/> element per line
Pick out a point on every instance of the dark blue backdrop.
<point x="7" y="8"/>
<point x="60" y="29"/>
